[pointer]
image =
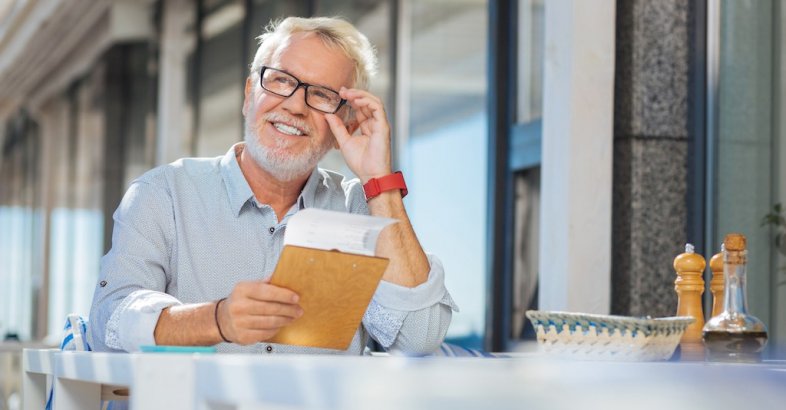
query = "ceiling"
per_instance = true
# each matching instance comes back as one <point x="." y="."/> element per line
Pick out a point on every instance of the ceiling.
<point x="36" y="36"/>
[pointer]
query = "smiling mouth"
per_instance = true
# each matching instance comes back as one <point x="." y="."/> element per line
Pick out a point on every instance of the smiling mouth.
<point x="287" y="129"/>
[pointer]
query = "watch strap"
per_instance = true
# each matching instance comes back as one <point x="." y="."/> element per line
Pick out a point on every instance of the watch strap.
<point x="376" y="186"/>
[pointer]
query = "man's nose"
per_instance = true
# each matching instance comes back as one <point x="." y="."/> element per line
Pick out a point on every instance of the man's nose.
<point x="296" y="103"/>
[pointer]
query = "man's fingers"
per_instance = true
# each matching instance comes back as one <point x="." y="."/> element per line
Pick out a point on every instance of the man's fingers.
<point x="265" y="322"/>
<point x="361" y="119"/>
<point x="370" y="108"/>
<point x="251" y="336"/>
<point x="257" y="308"/>
<point x="338" y="128"/>
<point x="366" y="103"/>
<point x="266" y="292"/>
<point x="353" y="93"/>
<point x="360" y="115"/>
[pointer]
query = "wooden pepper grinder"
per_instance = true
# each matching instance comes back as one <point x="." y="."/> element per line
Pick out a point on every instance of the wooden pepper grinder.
<point x="717" y="283"/>
<point x="689" y="286"/>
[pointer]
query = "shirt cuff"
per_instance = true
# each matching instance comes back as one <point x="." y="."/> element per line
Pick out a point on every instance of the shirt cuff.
<point x="134" y="321"/>
<point x="427" y="294"/>
<point x="383" y="324"/>
<point x="393" y="303"/>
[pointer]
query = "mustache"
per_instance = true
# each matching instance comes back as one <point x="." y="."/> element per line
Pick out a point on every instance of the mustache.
<point x="278" y="117"/>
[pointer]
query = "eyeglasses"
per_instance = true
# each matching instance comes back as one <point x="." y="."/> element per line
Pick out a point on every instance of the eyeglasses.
<point x="284" y="84"/>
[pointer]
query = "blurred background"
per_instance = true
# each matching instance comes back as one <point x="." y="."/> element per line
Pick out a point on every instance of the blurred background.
<point x="559" y="153"/>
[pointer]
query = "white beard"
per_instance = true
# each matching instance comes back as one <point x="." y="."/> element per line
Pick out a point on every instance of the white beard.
<point x="276" y="160"/>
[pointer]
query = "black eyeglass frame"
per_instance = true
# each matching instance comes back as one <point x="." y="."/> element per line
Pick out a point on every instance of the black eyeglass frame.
<point x="299" y="84"/>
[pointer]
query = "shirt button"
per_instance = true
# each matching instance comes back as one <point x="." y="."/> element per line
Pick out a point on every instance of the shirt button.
<point x="269" y="348"/>
<point x="103" y="283"/>
<point x="271" y="230"/>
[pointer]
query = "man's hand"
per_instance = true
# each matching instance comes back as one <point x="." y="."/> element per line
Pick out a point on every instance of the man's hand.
<point x="255" y="311"/>
<point x="368" y="153"/>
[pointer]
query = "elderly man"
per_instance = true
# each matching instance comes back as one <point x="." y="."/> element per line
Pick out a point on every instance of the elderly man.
<point x="195" y="241"/>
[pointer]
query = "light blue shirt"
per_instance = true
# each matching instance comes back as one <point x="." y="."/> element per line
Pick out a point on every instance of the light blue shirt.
<point x="189" y="231"/>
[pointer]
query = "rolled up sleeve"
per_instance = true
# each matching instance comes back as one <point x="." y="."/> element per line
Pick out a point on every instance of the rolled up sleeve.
<point x="129" y="295"/>
<point x="133" y="323"/>
<point x="412" y="320"/>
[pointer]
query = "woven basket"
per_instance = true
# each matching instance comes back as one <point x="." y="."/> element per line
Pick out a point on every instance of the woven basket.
<point x="604" y="337"/>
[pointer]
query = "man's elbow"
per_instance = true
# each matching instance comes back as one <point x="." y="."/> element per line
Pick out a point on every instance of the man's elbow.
<point x="429" y="339"/>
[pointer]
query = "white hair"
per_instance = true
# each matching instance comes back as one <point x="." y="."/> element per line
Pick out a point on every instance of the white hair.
<point x="333" y="31"/>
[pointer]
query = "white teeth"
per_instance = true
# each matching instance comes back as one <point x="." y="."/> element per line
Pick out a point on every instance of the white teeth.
<point x="286" y="129"/>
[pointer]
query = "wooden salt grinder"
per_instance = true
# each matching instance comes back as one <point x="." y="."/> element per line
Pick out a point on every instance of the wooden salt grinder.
<point x="689" y="287"/>
<point x="717" y="284"/>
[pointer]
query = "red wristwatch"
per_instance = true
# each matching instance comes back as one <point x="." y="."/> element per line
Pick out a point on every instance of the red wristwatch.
<point x="376" y="186"/>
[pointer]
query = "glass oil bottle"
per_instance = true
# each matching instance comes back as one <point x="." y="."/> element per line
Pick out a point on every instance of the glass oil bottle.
<point x="734" y="335"/>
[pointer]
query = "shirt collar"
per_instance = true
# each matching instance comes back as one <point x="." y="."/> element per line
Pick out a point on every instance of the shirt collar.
<point x="306" y="198"/>
<point x="240" y="192"/>
<point x="237" y="187"/>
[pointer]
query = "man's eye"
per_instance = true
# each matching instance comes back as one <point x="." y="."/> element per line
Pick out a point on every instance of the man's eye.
<point x="323" y="94"/>
<point x="320" y="94"/>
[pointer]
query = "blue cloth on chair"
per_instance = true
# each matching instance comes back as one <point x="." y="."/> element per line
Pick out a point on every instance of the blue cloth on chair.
<point x="74" y="339"/>
<point x="451" y="350"/>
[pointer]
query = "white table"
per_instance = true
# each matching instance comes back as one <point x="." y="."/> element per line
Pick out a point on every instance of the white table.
<point x="83" y="379"/>
<point x="477" y="383"/>
<point x="224" y="381"/>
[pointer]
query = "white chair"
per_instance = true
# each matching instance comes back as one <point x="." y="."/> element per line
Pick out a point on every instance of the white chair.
<point x="75" y="339"/>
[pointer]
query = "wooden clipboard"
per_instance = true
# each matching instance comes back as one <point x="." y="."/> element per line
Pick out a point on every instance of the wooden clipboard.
<point x="335" y="289"/>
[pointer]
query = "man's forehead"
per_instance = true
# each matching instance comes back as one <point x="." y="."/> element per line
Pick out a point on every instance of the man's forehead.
<point x="307" y="55"/>
<point x="275" y="56"/>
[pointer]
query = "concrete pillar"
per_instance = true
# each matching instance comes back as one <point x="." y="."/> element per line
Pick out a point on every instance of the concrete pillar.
<point x="651" y="130"/>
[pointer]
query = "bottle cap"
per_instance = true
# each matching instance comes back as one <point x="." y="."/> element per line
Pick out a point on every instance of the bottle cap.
<point x="734" y="242"/>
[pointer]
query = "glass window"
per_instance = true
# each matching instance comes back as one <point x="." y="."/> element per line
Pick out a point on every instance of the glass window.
<point x="222" y="72"/>
<point x="526" y="217"/>
<point x="372" y="18"/>
<point x="526" y="137"/>
<point x="138" y="113"/>
<point x="77" y="219"/>
<point x="263" y="12"/>
<point x="173" y="88"/>
<point x="744" y="167"/>
<point x="59" y="138"/>
<point x="20" y="219"/>
<point x="445" y="147"/>
<point x="748" y="148"/>
<point x="531" y="38"/>
<point x="778" y="281"/>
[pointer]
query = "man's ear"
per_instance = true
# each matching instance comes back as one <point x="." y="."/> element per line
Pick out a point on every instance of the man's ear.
<point x="247" y="93"/>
